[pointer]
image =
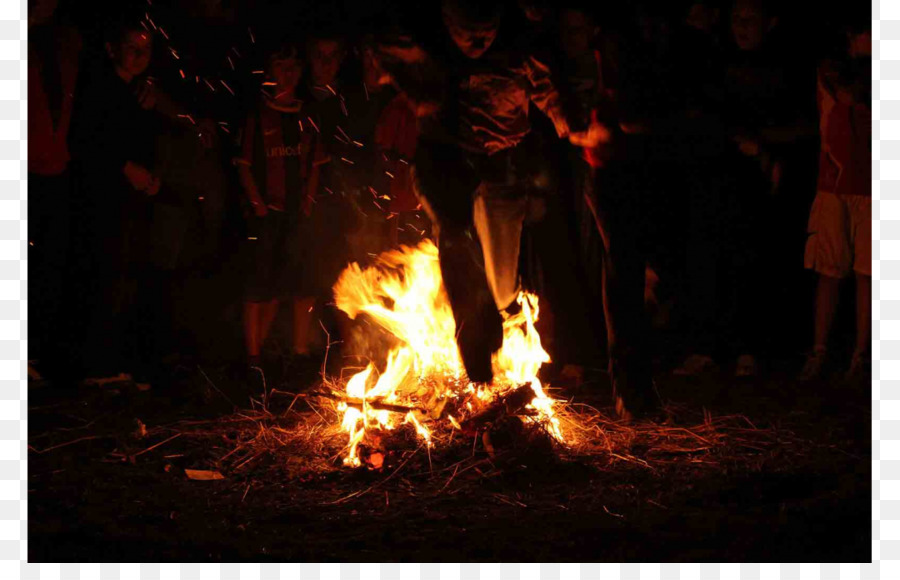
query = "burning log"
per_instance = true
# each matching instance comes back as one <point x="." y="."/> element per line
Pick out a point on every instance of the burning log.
<point x="356" y="403"/>
<point x="422" y="373"/>
<point x="508" y="405"/>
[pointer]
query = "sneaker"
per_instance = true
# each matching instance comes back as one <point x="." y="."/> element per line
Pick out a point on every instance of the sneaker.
<point x="814" y="367"/>
<point x="696" y="364"/>
<point x="746" y="366"/>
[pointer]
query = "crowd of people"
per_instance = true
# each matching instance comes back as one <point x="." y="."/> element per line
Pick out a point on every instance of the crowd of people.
<point x="654" y="169"/>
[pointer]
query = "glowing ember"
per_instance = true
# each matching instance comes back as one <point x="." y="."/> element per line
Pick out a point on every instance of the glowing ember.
<point x="421" y="380"/>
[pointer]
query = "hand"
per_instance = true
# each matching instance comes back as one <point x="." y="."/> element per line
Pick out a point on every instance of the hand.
<point x="139" y="177"/>
<point x="146" y="94"/>
<point x="748" y="146"/>
<point x="596" y="134"/>
<point x="154" y="186"/>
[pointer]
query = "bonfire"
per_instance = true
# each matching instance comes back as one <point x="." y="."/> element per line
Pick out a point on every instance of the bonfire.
<point x="418" y="378"/>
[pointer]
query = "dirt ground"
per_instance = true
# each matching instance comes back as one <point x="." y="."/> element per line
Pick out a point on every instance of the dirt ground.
<point x="766" y="470"/>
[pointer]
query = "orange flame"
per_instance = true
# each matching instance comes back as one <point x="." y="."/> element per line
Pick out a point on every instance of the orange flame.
<point x="403" y="293"/>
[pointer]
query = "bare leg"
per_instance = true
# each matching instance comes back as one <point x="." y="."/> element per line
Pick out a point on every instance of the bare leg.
<point x="826" y="304"/>
<point x="863" y="313"/>
<point x="302" y="316"/>
<point x="251" y="329"/>
<point x="268" y="310"/>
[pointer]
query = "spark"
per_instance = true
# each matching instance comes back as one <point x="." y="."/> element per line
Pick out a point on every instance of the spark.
<point x="347" y="137"/>
<point x="189" y="118"/>
<point x="163" y="32"/>
<point x="201" y="198"/>
<point x="313" y="123"/>
<point x="389" y="174"/>
<point x="251" y="237"/>
<point x="174" y="54"/>
<point x="224" y="84"/>
<point x="181" y="72"/>
<point x="257" y="72"/>
<point x="300" y="122"/>
<point x="366" y="89"/>
<point x="236" y="52"/>
<point x="357" y="143"/>
<point x="252" y="39"/>
<point x="269" y="84"/>
<point x="150" y="20"/>
<point x="346" y="160"/>
<point x="144" y="24"/>
<point x="331" y="89"/>
<point x="212" y="88"/>
<point x="230" y="62"/>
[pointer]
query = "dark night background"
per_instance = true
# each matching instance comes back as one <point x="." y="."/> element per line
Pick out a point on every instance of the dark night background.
<point x="786" y="478"/>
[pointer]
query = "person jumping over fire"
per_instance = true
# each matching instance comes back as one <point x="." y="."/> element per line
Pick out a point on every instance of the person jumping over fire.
<point x="470" y="172"/>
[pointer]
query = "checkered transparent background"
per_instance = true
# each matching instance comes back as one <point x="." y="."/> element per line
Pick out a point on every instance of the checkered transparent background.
<point x="885" y="393"/>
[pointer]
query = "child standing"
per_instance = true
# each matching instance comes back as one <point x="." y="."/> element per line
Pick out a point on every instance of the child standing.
<point x="840" y="221"/>
<point x="278" y="169"/>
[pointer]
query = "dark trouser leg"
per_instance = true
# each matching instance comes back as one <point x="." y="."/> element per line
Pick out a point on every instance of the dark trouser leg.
<point x="446" y="193"/>
<point x="48" y="236"/>
<point x="703" y="260"/>
<point x="479" y="326"/>
<point x="499" y="213"/>
<point x="617" y="210"/>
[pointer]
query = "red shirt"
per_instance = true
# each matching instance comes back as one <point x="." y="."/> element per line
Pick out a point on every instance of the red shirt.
<point x="845" y="158"/>
<point x="265" y="149"/>
<point x="48" y="152"/>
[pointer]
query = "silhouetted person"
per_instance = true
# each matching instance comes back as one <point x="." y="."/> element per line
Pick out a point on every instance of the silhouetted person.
<point x="840" y="221"/>
<point x="278" y="169"/>
<point x="469" y="168"/>
<point x="736" y="238"/>
<point x="113" y="141"/>
<point x="53" y="63"/>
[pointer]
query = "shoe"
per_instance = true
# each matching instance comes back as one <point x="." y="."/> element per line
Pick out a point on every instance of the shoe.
<point x="746" y="367"/>
<point x="256" y="383"/>
<point x="814" y="367"/>
<point x="860" y="370"/>
<point x="696" y="364"/>
<point x="572" y="374"/>
<point x="634" y="401"/>
<point x="478" y="339"/>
